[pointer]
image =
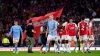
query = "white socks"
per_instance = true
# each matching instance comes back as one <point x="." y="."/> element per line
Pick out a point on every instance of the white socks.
<point x="55" y="47"/>
<point x="63" y="46"/>
<point x="69" y="46"/>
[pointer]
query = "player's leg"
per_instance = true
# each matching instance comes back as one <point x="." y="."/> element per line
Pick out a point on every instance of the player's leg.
<point x="57" y="45"/>
<point x="48" y="42"/>
<point x="69" y="44"/>
<point x="49" y="46"/>
<point x="16" y="48"/>
<point x="83" y="46"/>
<point x="66" y="44"/>
<point x="84" y="42"/>
<point x="81" y="40"/>
<point x="75" y="40"/>
<point x="30" y="44"/>
<point x="41" y="48"/>
<point x="91" y="43"/>
<point x="88" y="42"/>
<point x="15" y="41"/>
<point x="63" y="43"/>
<point x="43" y="40"/>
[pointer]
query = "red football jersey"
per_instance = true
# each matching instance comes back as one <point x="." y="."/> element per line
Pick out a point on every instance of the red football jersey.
<point x="62" y="32"/>
<point x="71" y="29"/>
<point x="66" y="29"/>
<point x="90" y="29"/>
<point x="83" y="28"/>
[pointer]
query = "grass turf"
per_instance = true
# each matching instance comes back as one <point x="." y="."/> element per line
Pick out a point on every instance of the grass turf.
<point x="37" y="53"/>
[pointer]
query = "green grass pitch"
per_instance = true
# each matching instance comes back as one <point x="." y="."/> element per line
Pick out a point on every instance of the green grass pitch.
<point x="37" y="53"/>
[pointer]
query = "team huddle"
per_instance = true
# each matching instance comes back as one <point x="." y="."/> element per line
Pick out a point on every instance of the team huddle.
<point x="84" y="32"/>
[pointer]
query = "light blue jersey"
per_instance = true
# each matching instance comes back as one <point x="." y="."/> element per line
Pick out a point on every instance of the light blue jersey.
<point x="52" y="25"/>
<point x="16" y="30"/>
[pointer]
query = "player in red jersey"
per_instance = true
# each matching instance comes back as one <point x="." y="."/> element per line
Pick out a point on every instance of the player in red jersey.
<point x="72" y="28"/>
<point x="90" y="34"/>
<point x="64" y="38"/>
<point x="83" y="29"/>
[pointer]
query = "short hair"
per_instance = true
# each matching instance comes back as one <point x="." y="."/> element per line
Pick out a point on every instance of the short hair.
<point x="15" y="21"/>
<point x="30" y="21"/>
<point x="57" y="19"/>
<point x="82" y="18"/>
<point x="91" y="18"/>
<point x="70" y="18"/>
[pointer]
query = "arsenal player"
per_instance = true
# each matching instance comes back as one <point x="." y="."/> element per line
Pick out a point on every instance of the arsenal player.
<point x="72" y="28"/>
<point x="90" y="34"/>
<point x="83" y="33"/>
<point x="64" y="38"/>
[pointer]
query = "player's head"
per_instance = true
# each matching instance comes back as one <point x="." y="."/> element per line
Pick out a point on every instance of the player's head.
<point x="82" y="18"/>
<point x="57" y="19"/>
<point x="51" y="17"/>
<point x="30" y="21"/>
<point x="70" y="20"/>
<point x="15" y="22"/>
<point x="91" y="19"/>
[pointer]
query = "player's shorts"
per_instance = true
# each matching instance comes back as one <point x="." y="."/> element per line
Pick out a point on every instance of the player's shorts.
<point x="72" y="38"/>
<point x="55" y="38"/>
<point x="15" y="40"/>
<point x="43" y="39"/>
<point x="64" y="39"/>
<point x="91" y="37"/>
<point x="53" y="41"/>
<point x="84" y="37"/>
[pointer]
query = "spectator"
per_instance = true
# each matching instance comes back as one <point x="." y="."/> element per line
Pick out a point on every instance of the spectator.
<point x="5" y="41"/>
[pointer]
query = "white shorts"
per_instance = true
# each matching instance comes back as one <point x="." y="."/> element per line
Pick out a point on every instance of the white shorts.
<point x="55" y="38"/>
<point x="15" y="40"/>
<point x="64" y="37"/>
<point x="72" y="38"/>
<point x="91" y="37"/>
<point x="84" y="37"/>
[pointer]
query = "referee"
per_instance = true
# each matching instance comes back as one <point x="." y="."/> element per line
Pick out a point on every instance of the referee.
<point x="30" y="32"/>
